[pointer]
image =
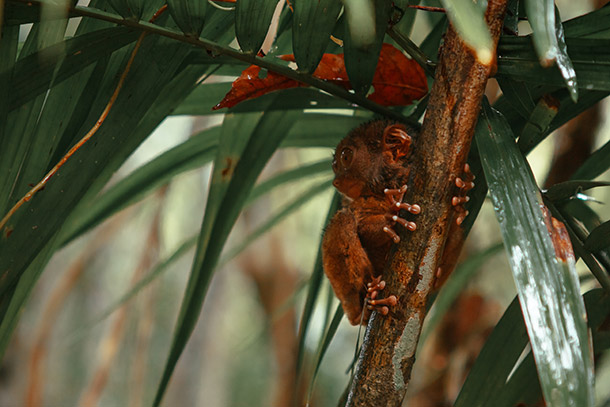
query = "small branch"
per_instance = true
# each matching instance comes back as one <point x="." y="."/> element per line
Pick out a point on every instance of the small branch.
<point x="215" y="49"/>
<point x="428" y="8"/>
<point x="388" y="351"/>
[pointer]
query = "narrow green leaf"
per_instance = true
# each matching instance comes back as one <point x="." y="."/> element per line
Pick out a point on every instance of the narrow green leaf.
<point x="189" y="15"/>
<point x="303" y="172"/>
<point x="567" y="108"/>
<point x="256" y="193"/>
<point x="315" y="282"/>
<point x="432" y="42"/>
<point x="276" y="218"/>
<point x="537" y="126"/>
<point x="193" y="153"/>
<point x="313" y="22"/>
<point x="252" y="20"/>
<point x="159" y="269"/>
<point x="568" y="213"/>
<point x="362" y="47"/>
<point x="511" y="20"/>
<point x="325" y="340"/>
<point x="518" y="93"/>
<point x="487" y="384"/>
<point x="139" y="106"/>
<point x="595" y="24"/>
<point x="541" y="16"/>
<point x="454" y="287"/>
<point x="570" y="189"/>
<point x="469" y="20"/>
<point x="549" y="40"/>
<point x="523" y="387"/>
<point x="124" y="10"/>
<point x="599" y="238"/>
<point x="8" y="53"/>
<point x="322" y="130"/>
<point x="595" y="165"/>
<point x="564" y="63"/>
<point x="548" y="287"/>
<point x="361" y="22"/>
<point x="34" y="73"/>
<point x="23" y="137"/>
<point x="236" y="167"/>
<point x="590" y="58"/>
<point x="495" y="361"/>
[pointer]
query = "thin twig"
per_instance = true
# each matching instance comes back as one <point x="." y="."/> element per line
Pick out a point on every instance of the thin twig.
<point x="428" y="8"/>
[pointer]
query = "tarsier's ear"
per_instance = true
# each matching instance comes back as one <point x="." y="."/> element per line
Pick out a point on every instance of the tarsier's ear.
<point x="396" y="141"/>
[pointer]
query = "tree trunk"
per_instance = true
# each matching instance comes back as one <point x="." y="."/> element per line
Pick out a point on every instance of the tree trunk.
<point x="388" y="350"/>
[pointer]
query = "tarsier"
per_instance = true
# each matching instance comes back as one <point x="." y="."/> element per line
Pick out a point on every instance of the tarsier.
<point x="371" y="166"/>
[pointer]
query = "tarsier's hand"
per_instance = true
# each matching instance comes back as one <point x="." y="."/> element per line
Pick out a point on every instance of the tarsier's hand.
<point x="395" y="197"/>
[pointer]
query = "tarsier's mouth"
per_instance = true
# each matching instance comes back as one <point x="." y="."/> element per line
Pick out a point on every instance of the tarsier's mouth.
<point x="351" y="188"/>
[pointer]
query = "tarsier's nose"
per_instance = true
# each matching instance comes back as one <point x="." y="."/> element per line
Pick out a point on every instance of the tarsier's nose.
<point x="336" y="183"/>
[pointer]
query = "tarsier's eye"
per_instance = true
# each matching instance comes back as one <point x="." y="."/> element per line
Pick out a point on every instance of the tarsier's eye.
<point x="347" y="154"/>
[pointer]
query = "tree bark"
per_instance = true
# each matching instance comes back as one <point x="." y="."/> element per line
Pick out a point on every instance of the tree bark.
<point x="388" y="351"/>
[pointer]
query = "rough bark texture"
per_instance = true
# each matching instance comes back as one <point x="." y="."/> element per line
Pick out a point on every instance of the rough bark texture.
<point x="388" y="351"/>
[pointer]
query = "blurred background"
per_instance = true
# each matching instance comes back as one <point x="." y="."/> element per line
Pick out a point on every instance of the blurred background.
<point x="80" y="341"/>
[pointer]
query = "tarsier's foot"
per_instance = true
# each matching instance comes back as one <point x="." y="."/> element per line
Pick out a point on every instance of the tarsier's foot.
<point x="395" y="197"/>
<point x="372" y="303"/>
<point x="465" y="184"/>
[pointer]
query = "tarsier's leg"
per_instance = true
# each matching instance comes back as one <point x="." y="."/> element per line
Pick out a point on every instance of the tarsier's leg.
<point x="346" y="264"/>
<point x="455" y="236"/>
<point x="395" y="197"/>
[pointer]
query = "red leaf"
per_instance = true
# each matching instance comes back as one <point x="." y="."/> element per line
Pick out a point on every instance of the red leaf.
<point x="249" y="86"/>
<point x="398" y="81"/>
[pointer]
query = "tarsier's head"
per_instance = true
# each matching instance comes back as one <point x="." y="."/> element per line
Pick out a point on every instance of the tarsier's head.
<point x="371" y="156"/>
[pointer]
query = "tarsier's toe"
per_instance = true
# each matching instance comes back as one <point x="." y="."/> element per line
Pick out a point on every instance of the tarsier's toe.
<point x="464" y="185"/>
<point x="460" y="219"/>
<point x="379" y="305"/>
<point x="392" y="234"/>
<point x="376" y="285"/>
<point x="458" y="200"/>
<point x="391" y="301"/>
